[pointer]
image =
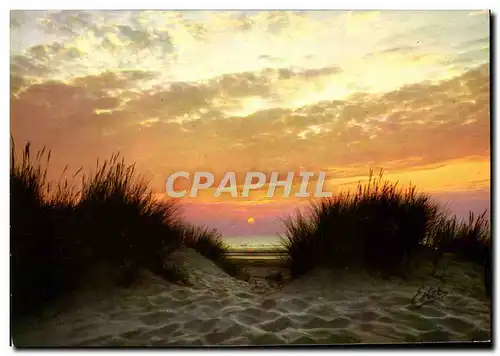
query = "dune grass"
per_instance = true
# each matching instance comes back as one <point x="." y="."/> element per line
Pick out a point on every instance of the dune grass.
<point x="118" y="220"/>
<point x="59" y="233"/>
<point x="468" y="240"/>
<point x="380" y="228"/>
<point x="209" y="243"/>
<point x="34" y="251"/>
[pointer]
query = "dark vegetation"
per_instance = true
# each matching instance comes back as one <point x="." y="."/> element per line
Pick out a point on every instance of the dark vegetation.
<point x="209" y="243"/>
<point x="59" y="233"/>
<point x="381" y="228"/>
<point x="468" y="240"/>
<point x="276" y="277"/>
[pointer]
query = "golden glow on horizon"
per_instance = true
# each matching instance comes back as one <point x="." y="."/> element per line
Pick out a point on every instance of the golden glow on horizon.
<point x="251" y="220"/>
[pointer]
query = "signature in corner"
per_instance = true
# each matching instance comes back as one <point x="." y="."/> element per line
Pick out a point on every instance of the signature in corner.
<point x="428" y="294"/>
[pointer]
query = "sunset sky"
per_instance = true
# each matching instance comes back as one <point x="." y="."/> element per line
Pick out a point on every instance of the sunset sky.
<point x="332" y="91"/>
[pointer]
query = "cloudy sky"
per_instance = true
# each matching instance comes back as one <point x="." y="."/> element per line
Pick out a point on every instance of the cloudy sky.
<point x="269" y="91"/>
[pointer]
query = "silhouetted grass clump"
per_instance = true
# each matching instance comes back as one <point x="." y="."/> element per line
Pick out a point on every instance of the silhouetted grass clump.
<point x="209" y="243"/>
<point x="59" y="234"/>
<point x="379" y="227"/>
<point x="35" y="249"/>
<point x="118" y="220"/>
<point x="469" y="240"/>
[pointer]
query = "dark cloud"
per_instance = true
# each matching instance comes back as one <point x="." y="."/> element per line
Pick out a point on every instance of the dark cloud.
<point x="269" y="58"/>
<point x="139" y="38"/>
<point x="183" y="98"/>
<point x="24" y="66"/>
<point x="314" y="73"/>
<point x="260" y="83"/>
<point x="42" y="60"/>
<point x="119" y="80"/>
<point x="241" y="84"/>
<point x="71" y="18"/>
<point x="392" y="50"/>
<point x="180" y="99"/>
<point x="135" y="35"/>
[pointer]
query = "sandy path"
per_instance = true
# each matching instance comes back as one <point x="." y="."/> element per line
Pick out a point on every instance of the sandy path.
<point x="322" y="307"/>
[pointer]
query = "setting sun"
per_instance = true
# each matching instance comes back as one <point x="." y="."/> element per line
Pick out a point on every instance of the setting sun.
<point x="251" y="220"/>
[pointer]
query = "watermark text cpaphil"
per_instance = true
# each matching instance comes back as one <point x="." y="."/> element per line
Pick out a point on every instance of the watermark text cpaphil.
<point x="252" y="181"/>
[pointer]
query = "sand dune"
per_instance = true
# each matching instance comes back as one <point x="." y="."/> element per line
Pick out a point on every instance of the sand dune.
<point x="322" y="307"/>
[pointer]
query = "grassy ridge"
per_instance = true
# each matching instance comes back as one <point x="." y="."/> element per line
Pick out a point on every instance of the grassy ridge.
<point x="58" y="233"/>
<point x="468" y="239"/>
<point x="380" y="227"/>
<point x="209" y="243"/>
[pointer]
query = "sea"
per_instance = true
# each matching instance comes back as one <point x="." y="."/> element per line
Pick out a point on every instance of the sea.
<point x="250" y="242"/>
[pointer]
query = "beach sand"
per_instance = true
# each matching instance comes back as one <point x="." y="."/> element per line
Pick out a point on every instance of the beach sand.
<point x="322" y="307"/>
